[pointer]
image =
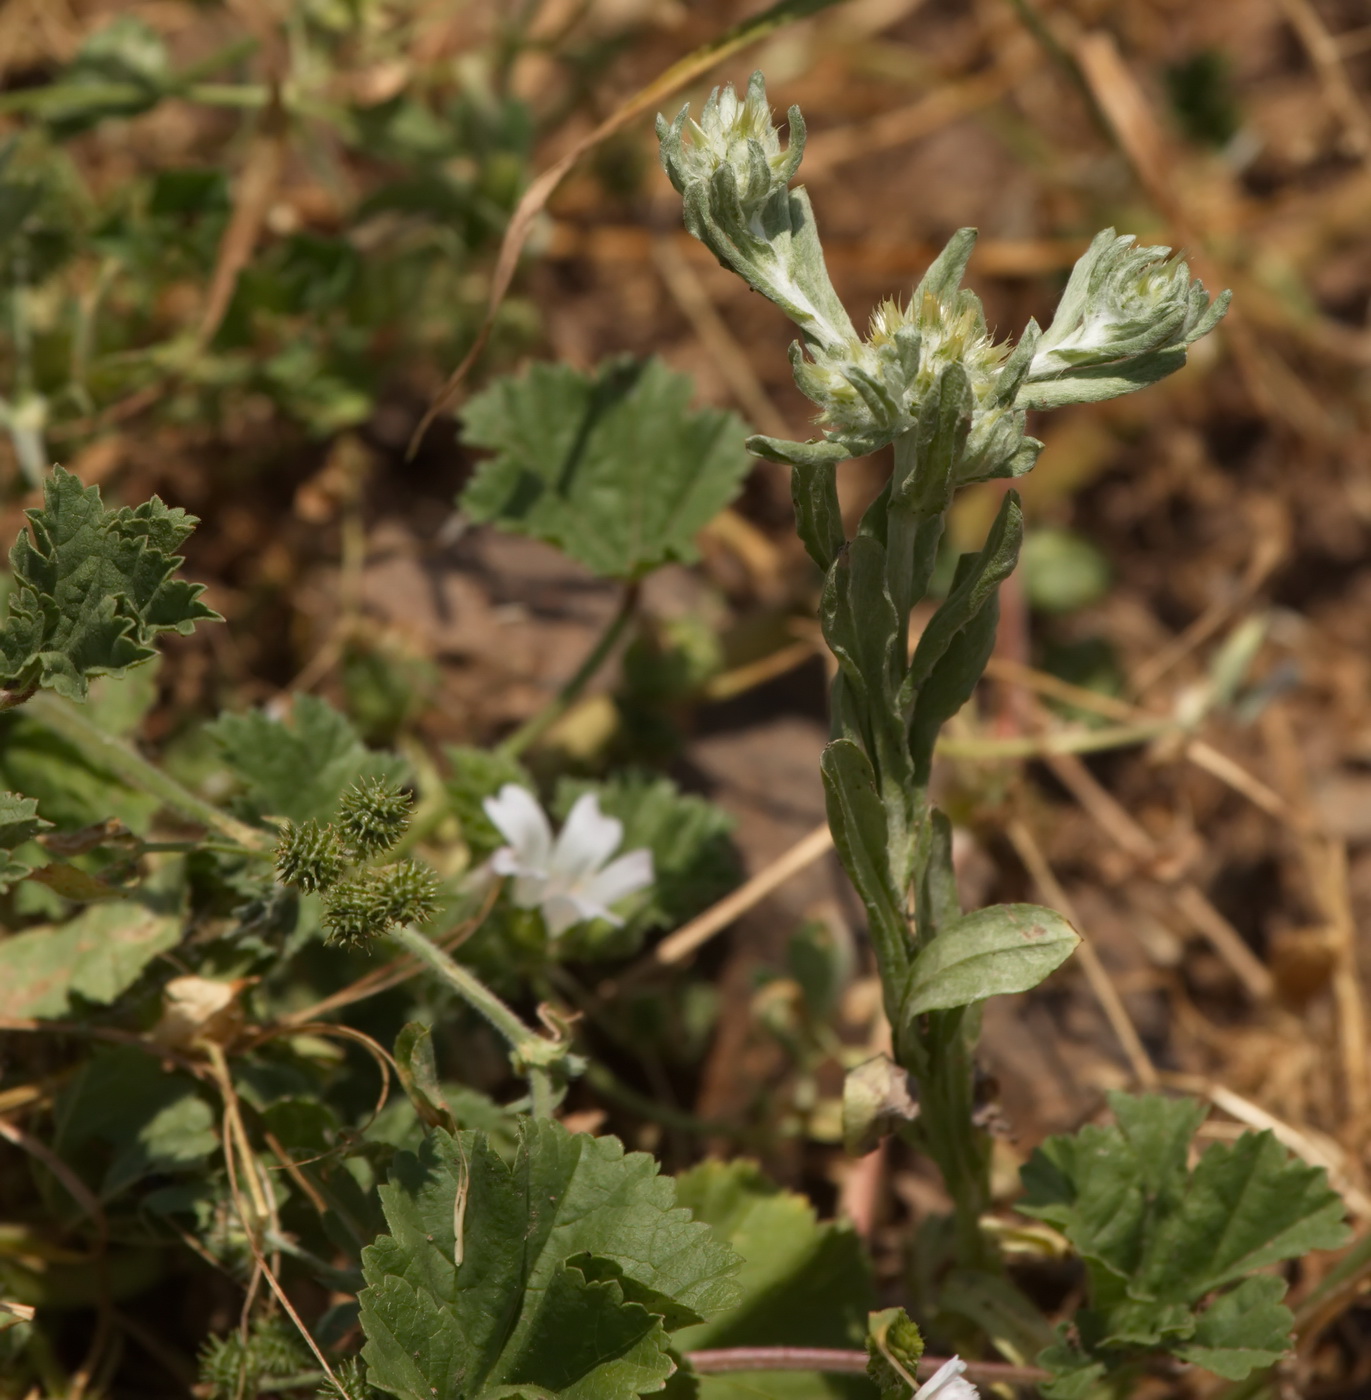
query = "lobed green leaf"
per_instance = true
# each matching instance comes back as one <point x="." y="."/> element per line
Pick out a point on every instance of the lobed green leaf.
<point x="93" y="589"/>
<point x="558" y="1274"/>
<point x="612" y="467"/>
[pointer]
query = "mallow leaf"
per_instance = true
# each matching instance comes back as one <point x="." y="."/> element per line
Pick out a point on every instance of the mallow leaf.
<point x="1242" y="1329"/>
<point x="804" y="1282"/>
<point x="19" y="822"/>
<point x="612" y="467"/>
<point x="299" y="770"/>
<point x="558" y="1274"/>
<point x="92" y="590"/>
<point x="1161" y="1241"/>
<point x="95" y="957"/>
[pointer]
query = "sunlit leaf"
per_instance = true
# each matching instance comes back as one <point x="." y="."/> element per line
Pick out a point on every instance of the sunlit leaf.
<point x="614" y="467"/>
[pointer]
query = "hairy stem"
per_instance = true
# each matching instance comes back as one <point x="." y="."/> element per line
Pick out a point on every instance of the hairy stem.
<point x="833" y="1359"/>
<point x="115" y="756"/>
<point x="529" y="733"/>
<point x="527" y="1047"/>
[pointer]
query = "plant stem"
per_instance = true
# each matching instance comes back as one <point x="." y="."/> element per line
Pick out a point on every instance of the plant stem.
<point x="530" y="732"/>
<point x="946" y="1101"/>
<point x="528" y="1048"/>
<point x="543" y="1100"/>
<point x="836" y="1360"/>
<point x="114" y="755"/>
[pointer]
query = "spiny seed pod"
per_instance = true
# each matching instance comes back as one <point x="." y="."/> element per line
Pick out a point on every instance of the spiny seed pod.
<point x="408" y="892"/>
<point x="373" y="815"/>
<point x="309" y="856"/>
<point x="352" y="1380"/>
<point x="354" y="913"/>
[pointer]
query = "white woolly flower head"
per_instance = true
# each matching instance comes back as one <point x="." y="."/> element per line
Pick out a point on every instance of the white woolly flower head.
<point x="948" y="1383"/>
<point x="1123" y="301"/>
<point x="735" y="134"/>
<point x="570" y="879"/>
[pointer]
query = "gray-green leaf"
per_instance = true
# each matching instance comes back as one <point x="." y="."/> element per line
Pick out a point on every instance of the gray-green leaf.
<point x="992" y="952"/>
<point x="613" y="467"/>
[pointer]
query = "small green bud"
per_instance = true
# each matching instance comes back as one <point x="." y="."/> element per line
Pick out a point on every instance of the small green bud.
<point x="373" y="815"/>
<point x="407" y="892"/>
<point x="309" y="856"/>
<point x="355" y="912"/>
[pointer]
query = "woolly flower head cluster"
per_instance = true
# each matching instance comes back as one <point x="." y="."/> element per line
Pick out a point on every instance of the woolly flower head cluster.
<point x="570" y="879"/>
<point x="734" y="136"/>
<point x="1123" y="301"/>
<point x="872" y="391"/>
<point x="876" y="388"/>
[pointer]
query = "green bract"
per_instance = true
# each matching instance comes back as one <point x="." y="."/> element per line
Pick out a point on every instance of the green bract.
<point x="1124" y="321"/>
<point x="92" y="591"/>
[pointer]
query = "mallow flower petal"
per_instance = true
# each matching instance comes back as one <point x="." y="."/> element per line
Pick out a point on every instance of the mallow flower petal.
<point x="564" y="911"/>
<point x="529" y="891"/>
<point x="518" y="817"/>
<point x="948" y="1383"/>
<point x="587" y="840"/>
<point x="627" y="875"/>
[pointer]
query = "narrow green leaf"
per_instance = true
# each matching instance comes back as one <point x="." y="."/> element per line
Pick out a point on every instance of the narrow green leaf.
<point x="1005" y="948"/>
<point x="858" y="819"/>
<point x="614" y="468"/>
<point x="973" y="590"/>
<point x="1098" y="382"/>
<point x="818" y="514"/>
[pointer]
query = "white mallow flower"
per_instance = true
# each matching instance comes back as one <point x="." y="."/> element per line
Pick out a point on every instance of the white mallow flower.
<point x="948" y="1383"/>
<point x="567" y="879"/>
